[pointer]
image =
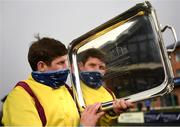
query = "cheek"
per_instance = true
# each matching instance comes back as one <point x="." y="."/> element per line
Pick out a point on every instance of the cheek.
<point x="88" y="68"/>
<point x="63" y="66"/>
<point x="59" y="67"/>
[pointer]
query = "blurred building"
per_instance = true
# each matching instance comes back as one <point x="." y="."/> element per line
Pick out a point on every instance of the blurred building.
<point x="134" y="64"/>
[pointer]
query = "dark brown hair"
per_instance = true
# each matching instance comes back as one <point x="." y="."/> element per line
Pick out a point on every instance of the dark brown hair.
<point x="92" y="52"/>
<point x="46" y="50"/>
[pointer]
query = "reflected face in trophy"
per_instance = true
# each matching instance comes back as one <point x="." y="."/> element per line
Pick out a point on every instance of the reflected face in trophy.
<point x="93" y="64"/>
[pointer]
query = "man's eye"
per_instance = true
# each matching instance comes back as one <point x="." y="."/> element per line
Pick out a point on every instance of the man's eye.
<point x="92" y="65"/>
<point x="62" y="62"/>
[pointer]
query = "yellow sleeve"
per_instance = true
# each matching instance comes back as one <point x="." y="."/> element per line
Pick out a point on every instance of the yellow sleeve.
<point x="19" y="109"/>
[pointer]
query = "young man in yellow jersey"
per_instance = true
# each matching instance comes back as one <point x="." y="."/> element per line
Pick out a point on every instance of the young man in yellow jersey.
<point x="43" y="99"/>
<point x="92" y="67"/>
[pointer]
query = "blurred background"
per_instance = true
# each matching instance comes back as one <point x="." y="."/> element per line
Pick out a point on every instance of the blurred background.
<point x="66" y="20"/>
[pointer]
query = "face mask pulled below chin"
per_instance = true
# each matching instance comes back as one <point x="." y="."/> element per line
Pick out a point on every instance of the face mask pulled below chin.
<point x="54" y="79"/>
<point x="92" y="79"/>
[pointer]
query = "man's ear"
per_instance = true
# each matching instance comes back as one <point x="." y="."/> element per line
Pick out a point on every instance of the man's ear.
<point x="41" y="66"/>
<point x="81" y="66"/>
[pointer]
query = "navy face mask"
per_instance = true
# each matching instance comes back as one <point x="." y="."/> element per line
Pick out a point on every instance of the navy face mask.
<point x="92" y="79"/>
<point x="54" y="79"/>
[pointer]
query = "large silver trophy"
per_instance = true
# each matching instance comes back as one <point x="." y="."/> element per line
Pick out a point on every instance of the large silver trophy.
<point x="137" y="62"/>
